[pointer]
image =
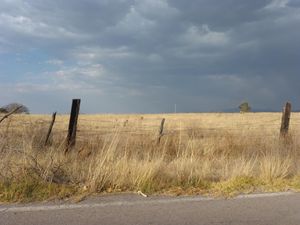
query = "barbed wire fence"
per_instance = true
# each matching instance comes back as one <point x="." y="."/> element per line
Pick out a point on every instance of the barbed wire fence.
<point x="84" y="128"/>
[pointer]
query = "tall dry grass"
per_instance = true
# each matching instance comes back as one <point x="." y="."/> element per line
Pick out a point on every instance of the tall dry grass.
<point x="189" y="159"/>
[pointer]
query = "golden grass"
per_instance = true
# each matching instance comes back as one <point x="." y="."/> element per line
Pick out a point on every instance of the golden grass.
<point x="208" y="153"/>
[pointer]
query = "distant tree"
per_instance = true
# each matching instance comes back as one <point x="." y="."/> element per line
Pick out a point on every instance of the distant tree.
<point x="244" y="107"/>
<point x="2" y="110"/>
<point x="12" y="106"/>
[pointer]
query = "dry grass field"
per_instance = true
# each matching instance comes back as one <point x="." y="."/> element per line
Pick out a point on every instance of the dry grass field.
<point x="218" y="154"/>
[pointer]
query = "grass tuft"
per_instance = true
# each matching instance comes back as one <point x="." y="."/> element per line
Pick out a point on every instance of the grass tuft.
<point x="30" y="189"/>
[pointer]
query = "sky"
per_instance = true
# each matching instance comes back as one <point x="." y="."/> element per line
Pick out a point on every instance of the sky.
<point x="145" y="56"/>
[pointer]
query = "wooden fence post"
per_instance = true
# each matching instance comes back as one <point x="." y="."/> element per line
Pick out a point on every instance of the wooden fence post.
<point x="50" y="128"/>
<point x="10" y="113"/>
<point x="161" y="130"/>
<point x="71" y="139"/>
<point x="285" y="121"/>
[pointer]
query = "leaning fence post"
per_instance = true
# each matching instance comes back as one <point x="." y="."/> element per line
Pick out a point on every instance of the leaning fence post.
<point x="50" y="128"/>
<point x="161" y="129"/>
<point x="285" y="121"/>
<point x="71" y="139"/>
<point x="10" y="113"/>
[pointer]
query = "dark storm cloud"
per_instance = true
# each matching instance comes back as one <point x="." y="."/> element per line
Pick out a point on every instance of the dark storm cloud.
<point x="147" y="55"/>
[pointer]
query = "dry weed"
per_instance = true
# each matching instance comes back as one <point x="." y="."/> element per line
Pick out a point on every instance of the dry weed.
<point x="114" y="157"/>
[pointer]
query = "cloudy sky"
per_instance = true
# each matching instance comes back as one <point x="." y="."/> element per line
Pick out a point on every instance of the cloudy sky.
<point x="147" y="55"/>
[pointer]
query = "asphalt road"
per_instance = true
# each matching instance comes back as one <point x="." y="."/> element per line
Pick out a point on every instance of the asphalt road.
<point x="271" y="209"/>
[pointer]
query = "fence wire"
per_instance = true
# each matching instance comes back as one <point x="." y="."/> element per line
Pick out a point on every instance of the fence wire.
<point x="91" y="127"/>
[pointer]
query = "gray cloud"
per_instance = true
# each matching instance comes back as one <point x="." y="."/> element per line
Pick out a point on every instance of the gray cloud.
<point x="147" y="55"/>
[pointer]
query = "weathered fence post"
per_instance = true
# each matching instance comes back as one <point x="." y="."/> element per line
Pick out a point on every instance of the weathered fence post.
<point x="285" y="121"/>
<point x="71" y="139"/>
<point x="10" y="113"/>
<point x="161" y="129"/>
<point x="50" y="128"/>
